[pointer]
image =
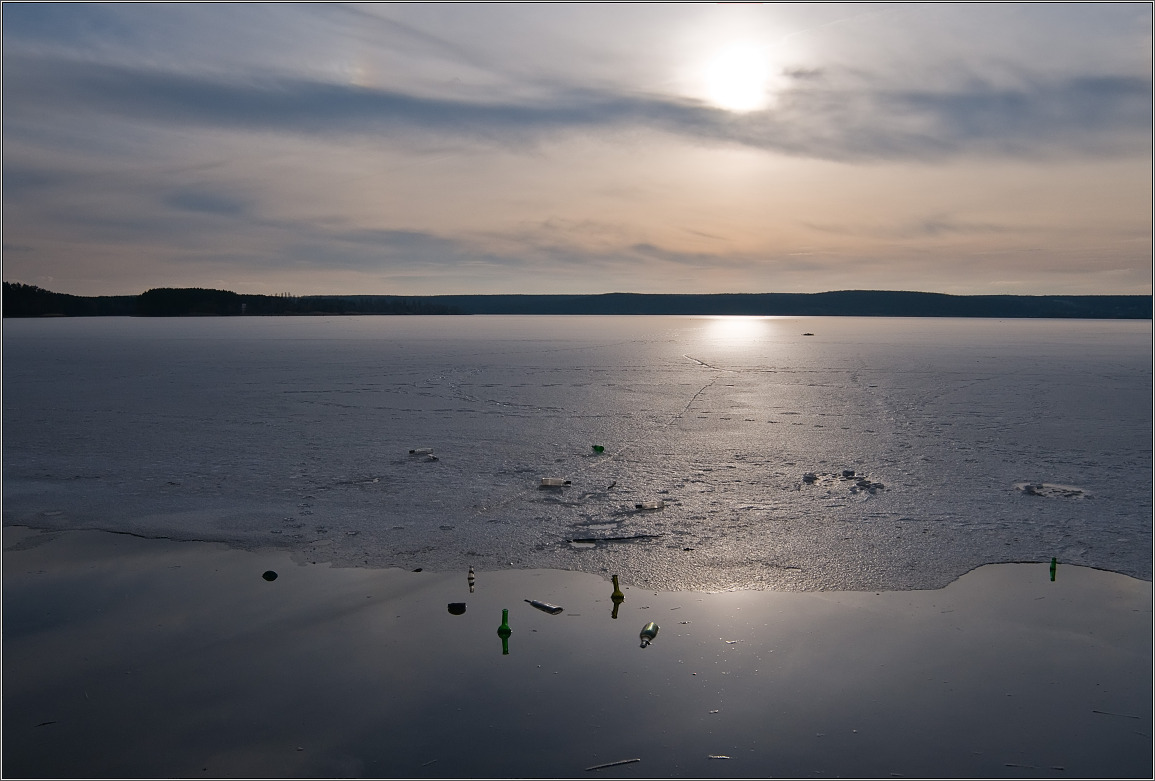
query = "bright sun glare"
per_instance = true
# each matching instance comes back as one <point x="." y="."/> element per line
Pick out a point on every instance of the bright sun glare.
<point x="737" y="79"/>
<point x="736" y="331"/>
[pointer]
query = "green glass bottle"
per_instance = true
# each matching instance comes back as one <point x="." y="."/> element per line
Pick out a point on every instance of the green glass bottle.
<point x="649" y="632"/>
<point x="618" y="597"/>
<point x="504" y="631"/>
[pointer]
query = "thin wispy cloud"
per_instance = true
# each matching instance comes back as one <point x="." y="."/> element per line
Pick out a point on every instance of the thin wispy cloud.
<point x="1102" y="115"/>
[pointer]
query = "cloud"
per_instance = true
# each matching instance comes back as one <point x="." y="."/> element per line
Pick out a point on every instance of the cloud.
<point x="848" y="118"/>
<point x="207" y="203"/>
<point x="20" y="179"/>
<point x="931" y="226"/>
<point x="1101" y="114"/>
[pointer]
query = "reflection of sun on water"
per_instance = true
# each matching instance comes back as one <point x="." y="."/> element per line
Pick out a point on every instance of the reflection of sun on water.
<point x="736" y="331"/>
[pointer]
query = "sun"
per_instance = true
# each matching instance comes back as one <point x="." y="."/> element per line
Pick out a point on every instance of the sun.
<point x="738" y="79"/>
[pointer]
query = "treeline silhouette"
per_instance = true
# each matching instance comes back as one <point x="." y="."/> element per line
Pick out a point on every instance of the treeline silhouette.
<point x="844" y="303"/>
<point x="30" y="301"/>
<point x="183" y="302"/>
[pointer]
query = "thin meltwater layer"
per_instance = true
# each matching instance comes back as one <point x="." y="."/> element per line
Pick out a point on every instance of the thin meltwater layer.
<point x="144" y="658"/>
<point x="690" y="453"/>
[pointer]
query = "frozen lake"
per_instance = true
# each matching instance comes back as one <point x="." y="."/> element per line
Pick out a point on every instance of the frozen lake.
<point x="971" y="442"/>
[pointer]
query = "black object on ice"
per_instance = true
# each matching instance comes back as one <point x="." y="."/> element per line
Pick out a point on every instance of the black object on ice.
<point x="615" y="539"/>
<point x="456" y="608"/>
<point x="269" y="575"/>
<point x="615" y="764"/>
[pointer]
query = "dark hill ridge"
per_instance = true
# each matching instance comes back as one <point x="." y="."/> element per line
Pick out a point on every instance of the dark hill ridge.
<point x="29" y="301"/>
<point x="852" y="303"/>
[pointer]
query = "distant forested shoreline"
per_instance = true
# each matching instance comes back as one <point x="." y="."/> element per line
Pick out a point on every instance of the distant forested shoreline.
<point x="22" y="300"/>
<point x="30" y="301"/>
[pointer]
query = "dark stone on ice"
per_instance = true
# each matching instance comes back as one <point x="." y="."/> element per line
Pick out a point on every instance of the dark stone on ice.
<point x="456" y="608"/>
<point x="269" y="575"/>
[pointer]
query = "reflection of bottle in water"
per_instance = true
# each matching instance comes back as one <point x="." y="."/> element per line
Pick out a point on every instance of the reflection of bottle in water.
<point x="648" y="633"/>
<point x="1054" y="565"/>
<point x="472" y="580"/>
<point x="618" y="597"/>
<point x="504" y="631"/>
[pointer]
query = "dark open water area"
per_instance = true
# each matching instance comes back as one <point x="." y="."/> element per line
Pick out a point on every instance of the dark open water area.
<point x="127" y="657"/>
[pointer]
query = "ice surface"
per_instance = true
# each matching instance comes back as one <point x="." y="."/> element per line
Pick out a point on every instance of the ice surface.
<point x="875" y="454"/>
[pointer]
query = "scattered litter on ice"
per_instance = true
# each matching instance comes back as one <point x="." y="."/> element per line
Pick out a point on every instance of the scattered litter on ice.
<point x="1052" y="490"/>
<point x="545" y="607"/>
<point x="853" y="481"/>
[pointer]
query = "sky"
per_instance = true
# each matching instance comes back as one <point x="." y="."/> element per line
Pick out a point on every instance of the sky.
<point x="420" y="149"/>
